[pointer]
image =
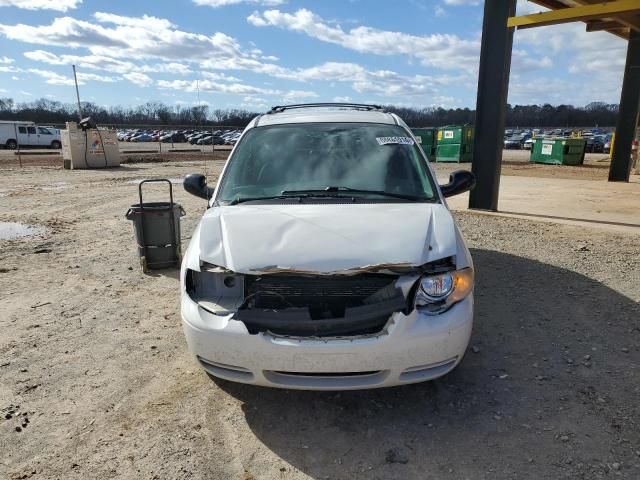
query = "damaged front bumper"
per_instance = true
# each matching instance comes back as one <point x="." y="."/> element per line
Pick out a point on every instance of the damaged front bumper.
<point x="412" y="347"/>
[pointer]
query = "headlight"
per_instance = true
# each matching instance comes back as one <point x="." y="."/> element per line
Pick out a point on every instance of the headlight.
<point x="437" y="293"/>
<point x="216" y="289"/>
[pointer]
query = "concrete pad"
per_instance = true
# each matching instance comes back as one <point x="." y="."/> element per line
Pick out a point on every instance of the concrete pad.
<point x="608" y="205"/>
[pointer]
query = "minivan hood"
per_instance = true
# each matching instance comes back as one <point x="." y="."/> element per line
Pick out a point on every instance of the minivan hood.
<point x="325" y="238"/>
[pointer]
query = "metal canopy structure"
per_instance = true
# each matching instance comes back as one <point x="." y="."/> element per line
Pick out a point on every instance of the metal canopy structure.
<point x="618" y="17"/>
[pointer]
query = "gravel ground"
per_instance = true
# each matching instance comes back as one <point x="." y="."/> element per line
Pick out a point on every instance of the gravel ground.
<point x="96" y="380"/>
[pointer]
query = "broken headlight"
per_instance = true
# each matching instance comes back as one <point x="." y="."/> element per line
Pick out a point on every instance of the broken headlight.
<point x="436" y="293"/>
<point x="215" y="289"/>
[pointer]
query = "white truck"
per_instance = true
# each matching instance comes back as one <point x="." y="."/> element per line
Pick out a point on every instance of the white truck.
<point x="28" y="134"/>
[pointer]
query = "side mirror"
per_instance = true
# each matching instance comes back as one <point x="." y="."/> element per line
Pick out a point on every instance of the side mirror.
<point x="196" y="184"/>
<point x="460" y="181"/>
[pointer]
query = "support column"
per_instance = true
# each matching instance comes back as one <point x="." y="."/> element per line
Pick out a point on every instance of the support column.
<point x="493" y="86"/>
<point x="627" y="113"/>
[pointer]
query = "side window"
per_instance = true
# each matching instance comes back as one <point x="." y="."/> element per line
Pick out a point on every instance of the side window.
<point x="31" y="129"/>
<point x="43" y="131"/>
<point x="22" y="129"/>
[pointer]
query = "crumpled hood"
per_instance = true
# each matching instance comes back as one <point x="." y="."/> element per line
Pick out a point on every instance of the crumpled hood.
<point x="325" y="238"/>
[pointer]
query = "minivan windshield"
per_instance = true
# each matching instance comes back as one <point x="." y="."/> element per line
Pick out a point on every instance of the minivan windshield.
<point x="369" y="161"/>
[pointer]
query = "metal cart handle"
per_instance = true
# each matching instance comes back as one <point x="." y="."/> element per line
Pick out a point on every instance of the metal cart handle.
<point x="156" y="180"/>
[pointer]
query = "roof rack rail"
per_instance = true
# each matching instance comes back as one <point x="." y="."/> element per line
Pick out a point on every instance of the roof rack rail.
<point x="355" y="106"/>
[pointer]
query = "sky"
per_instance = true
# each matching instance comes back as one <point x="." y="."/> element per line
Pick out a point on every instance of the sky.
<point x="253" y="54"/>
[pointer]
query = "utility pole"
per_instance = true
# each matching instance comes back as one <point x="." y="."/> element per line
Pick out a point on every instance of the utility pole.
<point x="75" y="79"/>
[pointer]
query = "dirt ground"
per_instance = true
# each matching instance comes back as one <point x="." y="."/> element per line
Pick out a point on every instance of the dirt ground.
<point x="96" y="380"/>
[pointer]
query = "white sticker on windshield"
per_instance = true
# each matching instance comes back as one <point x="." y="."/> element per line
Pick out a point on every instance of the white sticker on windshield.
<point x="394" y="140"/>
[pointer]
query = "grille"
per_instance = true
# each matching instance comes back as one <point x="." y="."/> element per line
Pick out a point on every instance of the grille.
<point x="315" y="292"/>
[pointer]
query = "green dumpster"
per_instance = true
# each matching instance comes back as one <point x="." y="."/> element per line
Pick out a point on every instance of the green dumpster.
<point x="455" y="134"/>
<point x="426" y="137"/>
<point x="454" y="152"/>
<point x="558" y="151"/>
<point x="455" y="143"/>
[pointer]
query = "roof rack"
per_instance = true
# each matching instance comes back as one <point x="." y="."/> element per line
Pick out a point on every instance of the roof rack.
<point x="355" y="106"/>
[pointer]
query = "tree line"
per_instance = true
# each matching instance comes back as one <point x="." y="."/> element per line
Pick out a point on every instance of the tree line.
<point x="46" y="111"/>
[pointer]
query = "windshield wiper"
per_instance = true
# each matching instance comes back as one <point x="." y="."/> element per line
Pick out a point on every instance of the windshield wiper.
<point x="356" y="190"/>
<point x="285" y="195"/>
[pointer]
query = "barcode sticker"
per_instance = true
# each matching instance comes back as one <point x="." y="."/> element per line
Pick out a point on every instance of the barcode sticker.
<point x="394" y="140"/>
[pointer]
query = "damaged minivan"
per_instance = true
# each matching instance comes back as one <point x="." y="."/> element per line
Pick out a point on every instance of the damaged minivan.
<point x="327" y="258"/>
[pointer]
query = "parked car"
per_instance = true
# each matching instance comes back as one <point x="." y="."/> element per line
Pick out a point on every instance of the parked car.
<point x="174" y="137"/>
<point x="205" y="140"/>
<point x="342" y="268"/>
<point x="194" y="139"/>
<point x="28" y="134"/>
<point x="595" y="144"/>
<point x="528" y="143"/>
<point x="143" y="137"/>
<point x="515" y="142"/>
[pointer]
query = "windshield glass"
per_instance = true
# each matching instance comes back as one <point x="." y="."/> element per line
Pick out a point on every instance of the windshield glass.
<point x="314" y="156"/>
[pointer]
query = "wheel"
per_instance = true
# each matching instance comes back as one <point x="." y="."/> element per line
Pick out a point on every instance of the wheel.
<point x="56" y="145"/>
<point x="12" y="144"/>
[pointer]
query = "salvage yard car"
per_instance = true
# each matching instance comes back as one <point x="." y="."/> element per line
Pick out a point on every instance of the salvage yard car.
<point x="328" y="258"/>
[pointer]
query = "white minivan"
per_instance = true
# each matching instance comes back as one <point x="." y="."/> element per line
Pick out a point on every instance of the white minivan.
<point x="27" y="134"/>
<point x="327" y="258"/>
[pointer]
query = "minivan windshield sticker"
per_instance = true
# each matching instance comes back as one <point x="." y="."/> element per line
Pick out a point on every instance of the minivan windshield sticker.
<point x="394" y="140"/>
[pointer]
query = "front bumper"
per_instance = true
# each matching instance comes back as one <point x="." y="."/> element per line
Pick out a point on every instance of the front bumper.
<point x="412" y="348"/>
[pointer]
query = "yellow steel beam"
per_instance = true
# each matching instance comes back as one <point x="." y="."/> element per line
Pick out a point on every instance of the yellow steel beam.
<point x="573" y="14"/>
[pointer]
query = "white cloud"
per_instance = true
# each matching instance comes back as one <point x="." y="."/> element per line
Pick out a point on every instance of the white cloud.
<point x="439" y="11"/>
<point x="59" y="5"/>
<point x="101" y="62"/>
<point x="139" y="78"/>
<point x="25" y="93"/>
<point x="54" y="78"/>
<point x="523" y="62"/>
<point x="214" y="87"/>
<point x="594" y="61"/>
<point x="525" y="7"/>
<point x="131" y="38"/>
<point x="93" y="62"/>
<point x="225" y="3"/>
<point x="250" y="98"/>
<point x="119" y="44"/>
<point x="298" y="95"/>
<point x="219" y="76"/>
<point x="97" y="78"/>
<point x="170" y="67"/>
<point x="6" y="60"/>
<point x="443" y="51"/>
<point x="9" y="69"/>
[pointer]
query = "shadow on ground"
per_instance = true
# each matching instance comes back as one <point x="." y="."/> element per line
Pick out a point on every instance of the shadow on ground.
<point x="548" y="394"/>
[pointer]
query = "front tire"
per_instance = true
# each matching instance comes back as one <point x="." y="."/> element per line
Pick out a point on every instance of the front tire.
<point x="56" y="145"/>
<point x="11" y="144"/>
